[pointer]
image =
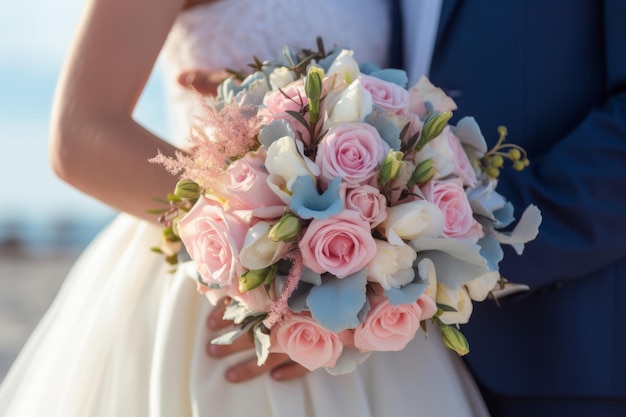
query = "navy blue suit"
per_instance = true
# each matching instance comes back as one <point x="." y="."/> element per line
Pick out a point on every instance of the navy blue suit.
<point x="554" y="73"/>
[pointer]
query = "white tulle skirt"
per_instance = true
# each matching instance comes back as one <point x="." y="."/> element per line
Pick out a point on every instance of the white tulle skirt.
<point x="126" y="338"/>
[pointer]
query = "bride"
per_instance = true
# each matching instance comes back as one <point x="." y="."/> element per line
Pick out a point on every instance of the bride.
<point x="126" y="338"/>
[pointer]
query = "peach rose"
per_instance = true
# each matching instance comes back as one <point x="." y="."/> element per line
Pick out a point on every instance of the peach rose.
<point x="388" y="327"/>
<point x="306" y="342"/>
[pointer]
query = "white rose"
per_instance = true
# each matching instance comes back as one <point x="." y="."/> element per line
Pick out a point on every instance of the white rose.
<point x="285" y="162"/>
<point x="392" y="267"/>
<point x="440" y="152"/>
<point x="259" y="251"/>
<point x="479" y="288"/>
<point x="280" y="77"/>
<point x="413" y="220"/>
<point x="350" y="105"/>
<point x="459" y="300"/>
<point x="346" y="66"/>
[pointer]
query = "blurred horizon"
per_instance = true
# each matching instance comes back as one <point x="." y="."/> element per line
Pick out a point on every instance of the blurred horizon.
<point x="37" y="209"/>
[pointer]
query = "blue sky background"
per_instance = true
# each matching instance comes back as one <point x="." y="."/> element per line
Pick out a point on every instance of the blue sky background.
<point x="34" y="38"/>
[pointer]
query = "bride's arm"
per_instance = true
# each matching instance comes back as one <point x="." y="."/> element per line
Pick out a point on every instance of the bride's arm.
<point x="95" y="145"/>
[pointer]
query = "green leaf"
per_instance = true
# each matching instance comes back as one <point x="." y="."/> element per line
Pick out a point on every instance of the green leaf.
<point x="174" y="198"/>
<point x="156" y="211"/>
<point x="300" y="118"/>
<point x="261" y="343"/>
<point x="444" y="307"/>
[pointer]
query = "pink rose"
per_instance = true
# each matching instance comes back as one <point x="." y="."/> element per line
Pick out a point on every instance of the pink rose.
<point x="425" y="92"/>
<point x="351" y="151"/>
<point x="255" y="300"/>
<point x="449" y="157"/>
<point x="427" y="305"/>
<point x="341" y="245"/>
<point x="244" y="185"/>
<point x="213" y="239"/>
<point x="289" y="98"/>
<point x="306" y="342"/>
<point x="368" y="202"/>
<point x="452" y="200"/>
<point x="462" y="165"/>
<point x="389" y="96"/>
<point x="388" y="327"/>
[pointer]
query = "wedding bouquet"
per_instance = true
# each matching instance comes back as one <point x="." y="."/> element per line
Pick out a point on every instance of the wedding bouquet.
<point x="339" y="209"/>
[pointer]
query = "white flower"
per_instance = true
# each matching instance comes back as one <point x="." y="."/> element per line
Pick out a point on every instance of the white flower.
<point x="346" y="66"/>
<point x="442" y="294"/>
<point x="280" y="77"/>
<point x="392" y="266"/>
<point x="254" y="93"/>
<point x="285" y="162"/>
<point x="350" y="105"/>
<point x="459" y="300"/>
<point x="479" y="288"/>
<point x="259" y="251"/>
<point x="413" y="220"/>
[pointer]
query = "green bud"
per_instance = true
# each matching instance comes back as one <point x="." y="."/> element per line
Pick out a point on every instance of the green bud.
<point x="391" y="167"/>
<point x="286" y="230"/>
<point x="169" y="235"/>
<point x="313" y="91"/>
<point x="188" y="190"/>
<point x="251" y="279"/>
<point x="423" y="172"/>
<point x="432" y="128"/>
<point x="518" y="165"/>
<point x="454" y="339"/>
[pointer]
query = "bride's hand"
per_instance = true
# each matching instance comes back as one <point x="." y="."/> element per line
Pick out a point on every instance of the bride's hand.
<point x="280" y="367"/>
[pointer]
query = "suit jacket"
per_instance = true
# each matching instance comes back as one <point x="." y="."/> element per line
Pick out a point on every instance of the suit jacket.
<point x="554" y="73"/>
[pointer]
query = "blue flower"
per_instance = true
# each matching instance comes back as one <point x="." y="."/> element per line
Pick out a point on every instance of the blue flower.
<point x="392" y="75"/>
<point x="307" y="203"/>
<point x="387" y="130"/>
<point x="337" y="304"/>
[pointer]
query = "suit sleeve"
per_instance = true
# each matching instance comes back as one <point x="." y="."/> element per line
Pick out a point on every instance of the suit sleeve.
<point x="579" y="185"/>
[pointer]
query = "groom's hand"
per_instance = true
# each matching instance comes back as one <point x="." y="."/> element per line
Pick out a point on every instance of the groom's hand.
<point x="279" y="365"/>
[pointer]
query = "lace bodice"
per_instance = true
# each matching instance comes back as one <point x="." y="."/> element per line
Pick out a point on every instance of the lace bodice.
<point x="228" y="33"/>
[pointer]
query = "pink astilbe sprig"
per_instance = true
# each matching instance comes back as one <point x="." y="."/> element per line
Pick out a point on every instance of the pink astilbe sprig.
<point x="220" y="135"/>
<point x="279" y="310"/>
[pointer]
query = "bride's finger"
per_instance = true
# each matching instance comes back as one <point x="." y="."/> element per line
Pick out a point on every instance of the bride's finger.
<point x="288" y="371"/>
<point x="248" y="369"/>
<point x="238" y="345"/>
<point x="214" y="320"/>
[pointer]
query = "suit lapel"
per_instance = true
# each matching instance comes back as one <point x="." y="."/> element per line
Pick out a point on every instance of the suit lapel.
<point x="447" y="11"/>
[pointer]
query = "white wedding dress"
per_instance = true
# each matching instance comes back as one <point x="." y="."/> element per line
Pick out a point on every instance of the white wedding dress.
<point x="125" y="338"/>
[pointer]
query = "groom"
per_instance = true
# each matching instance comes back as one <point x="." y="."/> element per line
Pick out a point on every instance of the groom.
<point x="554" y="73"/>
